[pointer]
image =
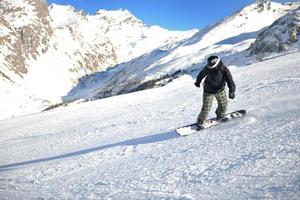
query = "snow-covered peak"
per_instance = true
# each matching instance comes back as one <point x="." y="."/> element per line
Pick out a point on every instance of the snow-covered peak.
<point x="266" y="8"/>
<point x="251" y="19"/>
<point x="120" y="15"/>
<point x="129" y="35"/>
<point x="63" y="15"/>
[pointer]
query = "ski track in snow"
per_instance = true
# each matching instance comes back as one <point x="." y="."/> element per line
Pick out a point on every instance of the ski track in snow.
<point x="125" y="147"/>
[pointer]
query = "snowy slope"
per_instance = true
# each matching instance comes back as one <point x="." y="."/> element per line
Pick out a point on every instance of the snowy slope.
<point x="125" y="147"/>
<point x="230" y="39"/>
<point x="245" y="23"/>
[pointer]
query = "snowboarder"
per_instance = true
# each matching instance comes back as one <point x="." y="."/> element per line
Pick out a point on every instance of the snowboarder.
<point x="216" y="76"/>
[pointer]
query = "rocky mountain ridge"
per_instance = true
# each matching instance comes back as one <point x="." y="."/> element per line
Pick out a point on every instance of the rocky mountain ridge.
<point x="281" y="36"/>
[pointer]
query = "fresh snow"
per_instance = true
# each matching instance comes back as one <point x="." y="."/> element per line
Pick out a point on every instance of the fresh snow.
<point x="125" y="147"/>
<point x="63" y="15"/>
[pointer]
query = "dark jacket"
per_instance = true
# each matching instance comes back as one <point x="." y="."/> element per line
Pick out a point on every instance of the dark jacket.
<point x="216" y="79"/>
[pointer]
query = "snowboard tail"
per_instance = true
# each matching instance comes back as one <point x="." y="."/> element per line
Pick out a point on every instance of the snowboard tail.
<point x="193" y="128"/>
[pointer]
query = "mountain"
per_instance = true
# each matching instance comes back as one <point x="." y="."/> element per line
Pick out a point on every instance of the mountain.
<point x="25" y="30"/>
<point x="244" y="24"/>
<point x="282" y="35"/>
<point x="125" y="147"/>
<point x="116" y="35"/>
<point x="46" y="50"/>
<point x="24" y="36"/>
<point x="229" y="38"/>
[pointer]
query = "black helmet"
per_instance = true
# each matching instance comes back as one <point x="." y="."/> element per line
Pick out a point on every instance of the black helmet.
<point x="213" y="61"/>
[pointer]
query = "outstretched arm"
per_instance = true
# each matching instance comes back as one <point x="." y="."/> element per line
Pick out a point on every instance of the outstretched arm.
<point x="200" y="76"/>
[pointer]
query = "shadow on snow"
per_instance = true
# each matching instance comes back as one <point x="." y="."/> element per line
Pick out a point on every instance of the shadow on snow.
<point x="131" y="142"/>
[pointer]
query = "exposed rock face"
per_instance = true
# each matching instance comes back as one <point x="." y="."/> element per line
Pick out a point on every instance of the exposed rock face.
<point x="263" y="5"/>
<point x="25" y="34"/>
<point x="88" y="49"/>
<point x="279" y="37"/>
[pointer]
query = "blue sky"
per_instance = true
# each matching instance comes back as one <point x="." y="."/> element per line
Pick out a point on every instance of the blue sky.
<point x="170" y="14"/>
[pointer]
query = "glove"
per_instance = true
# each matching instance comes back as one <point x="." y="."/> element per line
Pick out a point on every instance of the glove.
<point x="196" y="84"/>
<point x="231" y="95"/>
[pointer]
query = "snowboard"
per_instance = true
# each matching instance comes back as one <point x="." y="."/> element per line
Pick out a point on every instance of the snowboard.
<point x="193" y="128"/>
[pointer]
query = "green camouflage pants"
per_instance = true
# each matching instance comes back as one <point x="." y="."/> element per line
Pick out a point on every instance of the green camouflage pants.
<point x="207" y="103"/>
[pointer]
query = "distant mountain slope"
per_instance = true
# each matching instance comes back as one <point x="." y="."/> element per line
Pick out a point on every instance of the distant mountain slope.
<point x="251" y="19"/>
<point x="229" y="38"/>
<point x="45" y="51"/>
<point x="117" y="36"/>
